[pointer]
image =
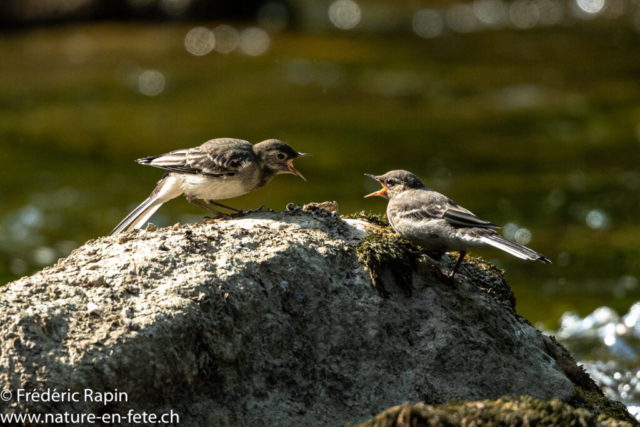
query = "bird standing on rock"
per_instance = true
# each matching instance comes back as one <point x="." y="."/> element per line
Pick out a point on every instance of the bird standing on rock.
<point x="435" y="222"/>
<point x="218" y="169"/>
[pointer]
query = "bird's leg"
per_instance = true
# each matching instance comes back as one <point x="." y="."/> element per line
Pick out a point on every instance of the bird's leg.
<point x="238" y="212"/>
<point x="193" y="201"/>
<point x="460" y="258"/>
<point x="251" y="210"/>
<point x="211" y="202"/>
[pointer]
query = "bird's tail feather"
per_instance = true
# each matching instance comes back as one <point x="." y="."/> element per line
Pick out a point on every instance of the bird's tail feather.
<point x="164" y="191"/>
<point x="139" y="215"/>
<point x="513" y="248"/>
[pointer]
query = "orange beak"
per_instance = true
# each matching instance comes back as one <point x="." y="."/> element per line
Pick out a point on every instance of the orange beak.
<point x="381" y="193"/>
<point x="293" y="169"/>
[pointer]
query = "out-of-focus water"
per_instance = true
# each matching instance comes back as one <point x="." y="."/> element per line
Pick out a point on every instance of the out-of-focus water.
<point x="536" y="129"/>
<point x="608" y="346"/>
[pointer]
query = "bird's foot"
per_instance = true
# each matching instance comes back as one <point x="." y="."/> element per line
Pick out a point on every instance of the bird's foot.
<point x="247" y="212"/>
<point x="449" y="278"/>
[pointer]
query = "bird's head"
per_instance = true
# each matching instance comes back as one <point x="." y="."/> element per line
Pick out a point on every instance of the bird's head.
<point x="277" y="156"/>
<point x="394" y="183"/>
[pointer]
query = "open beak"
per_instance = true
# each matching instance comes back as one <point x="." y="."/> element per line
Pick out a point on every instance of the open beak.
<point x="293" y="169"/>
<point x="381" y="193"/>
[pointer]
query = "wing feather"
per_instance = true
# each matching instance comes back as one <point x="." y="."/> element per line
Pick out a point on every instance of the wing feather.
<point x="459" y="216"/>
<point x="223" y="156"/>
<point x="427" y="207"/>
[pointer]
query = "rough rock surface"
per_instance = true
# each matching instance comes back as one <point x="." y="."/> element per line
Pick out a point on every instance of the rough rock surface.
<point x="268" y="319"/>
<point x="508" y="411"/>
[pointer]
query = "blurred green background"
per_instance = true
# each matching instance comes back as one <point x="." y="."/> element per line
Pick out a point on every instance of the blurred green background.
<point x="526" y="112"/>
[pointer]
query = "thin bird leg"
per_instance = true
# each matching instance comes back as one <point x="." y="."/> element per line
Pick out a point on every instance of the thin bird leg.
<point x="206" y="208"/>
<point x="462" y="255"/>
<point x="211" y="202"/>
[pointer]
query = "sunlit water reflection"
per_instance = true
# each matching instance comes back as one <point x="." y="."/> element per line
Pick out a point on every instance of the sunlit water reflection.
<point x="608" y="346"/>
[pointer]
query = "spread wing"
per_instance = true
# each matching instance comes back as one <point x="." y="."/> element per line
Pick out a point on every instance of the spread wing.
<point x="223" y="156"/>
<point x="426" y="207"/>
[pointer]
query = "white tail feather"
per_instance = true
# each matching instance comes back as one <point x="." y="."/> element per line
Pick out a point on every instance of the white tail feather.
<point x="144" y="216"/>
<point x="509" y="249"/>
<point x="139" y="215"/>
<point x="166" y="190"/>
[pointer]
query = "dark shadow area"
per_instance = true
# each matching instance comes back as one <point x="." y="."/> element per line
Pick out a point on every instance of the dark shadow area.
<point x="16" y="14"/>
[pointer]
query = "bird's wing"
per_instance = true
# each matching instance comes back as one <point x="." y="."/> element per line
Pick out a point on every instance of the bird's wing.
<point x="222" y="156"/>
<point x="425" y="207"/>
<point x="461" y="217"/>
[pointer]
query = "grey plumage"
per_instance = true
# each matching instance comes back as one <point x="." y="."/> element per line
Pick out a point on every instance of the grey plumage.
<point x="435" y="222"/>
<point x="219" y="169"/>
<point x="222" y="156"/>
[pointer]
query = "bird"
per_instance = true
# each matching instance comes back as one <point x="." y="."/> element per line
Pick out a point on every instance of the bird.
<point x="436" y="223"/>
<point x="221" y="168"/>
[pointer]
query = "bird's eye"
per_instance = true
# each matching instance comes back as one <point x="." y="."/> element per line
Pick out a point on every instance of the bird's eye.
<point x="389" y="182"/>
<point x="281" y="156"/>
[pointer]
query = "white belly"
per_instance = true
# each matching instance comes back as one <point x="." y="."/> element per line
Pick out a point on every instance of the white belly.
<point x="211" y="188"/>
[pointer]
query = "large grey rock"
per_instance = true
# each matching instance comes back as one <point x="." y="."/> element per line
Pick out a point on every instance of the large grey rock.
<point x="265" y="320"/>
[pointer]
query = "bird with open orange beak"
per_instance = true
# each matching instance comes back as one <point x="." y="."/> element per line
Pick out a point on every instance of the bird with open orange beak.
<point x="381" y="193"/>
<point x="219" y="169"/>
<point x="435" y="222"/>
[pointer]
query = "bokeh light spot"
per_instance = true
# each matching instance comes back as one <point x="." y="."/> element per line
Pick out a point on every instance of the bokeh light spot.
<point x="524" y="14"/>
<point x="254" y="41"/>
<point x="344" y="14"/>
<point x="427" y="23"/>
<point x="44" y="255"/>
<point x="523" y="236"/>
<point x="591" y="6"/>
<point x="151" y="82"/>
<point x="174" y="8"/>
<point x="509" y="230"/>
<point x="462" y="19"/>
<point x="227" y="38"/>
<point x="490" y="12"/>
<point x="199" y="41"/>
<point x="273" y="16"/>
<point x="597" y="219"/>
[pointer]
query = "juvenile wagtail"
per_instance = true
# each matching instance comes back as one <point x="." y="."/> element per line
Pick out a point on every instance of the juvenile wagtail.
<point x="435" y="222"/>
<point x="218" y="169"/>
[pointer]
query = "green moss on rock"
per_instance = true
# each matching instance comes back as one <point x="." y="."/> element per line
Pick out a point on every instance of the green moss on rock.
<point x="507" y="411"/>
<point x="383" y="250"/>
<point x="608" y="410"/>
